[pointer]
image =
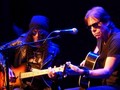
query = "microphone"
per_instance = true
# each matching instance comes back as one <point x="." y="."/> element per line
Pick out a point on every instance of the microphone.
<point x="72" y="31"/>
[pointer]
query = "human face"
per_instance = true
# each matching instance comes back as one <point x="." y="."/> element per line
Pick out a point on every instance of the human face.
<point x="98" y="29"/>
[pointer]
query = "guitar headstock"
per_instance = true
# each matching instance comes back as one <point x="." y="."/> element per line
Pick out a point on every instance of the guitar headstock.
<point x="59" y="69"/>
<point x="63" y="68"/>
<point x="68" y="63"/>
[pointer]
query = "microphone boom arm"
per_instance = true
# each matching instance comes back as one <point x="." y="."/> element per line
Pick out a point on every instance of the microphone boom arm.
<point x="29" y="43"/>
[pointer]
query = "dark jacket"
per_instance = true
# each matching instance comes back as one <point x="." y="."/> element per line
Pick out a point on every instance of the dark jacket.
<point x="18" y="56"/>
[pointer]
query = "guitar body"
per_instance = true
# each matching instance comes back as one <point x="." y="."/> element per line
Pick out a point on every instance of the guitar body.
<point x="90" y="63"/>
<point x="17" y="72"/>
<point x="13" y="81"/>
<point x="2" y="77"/>
<point x="20" y="74"/>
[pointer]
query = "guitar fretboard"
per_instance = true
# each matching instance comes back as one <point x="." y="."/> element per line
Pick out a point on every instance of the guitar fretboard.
<point x="38" y="73"/>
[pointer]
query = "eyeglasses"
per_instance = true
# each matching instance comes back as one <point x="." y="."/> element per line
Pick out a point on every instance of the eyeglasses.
<point x="95" y="25"/>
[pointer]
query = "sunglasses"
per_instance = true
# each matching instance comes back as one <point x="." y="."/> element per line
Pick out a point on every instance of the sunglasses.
<point x="95" y="25"/>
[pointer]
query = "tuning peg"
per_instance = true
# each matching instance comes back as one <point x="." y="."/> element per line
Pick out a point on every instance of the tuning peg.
<point x="54" y="66"/>
<point x="62" y="65"/>
<point x="68" y="63"/>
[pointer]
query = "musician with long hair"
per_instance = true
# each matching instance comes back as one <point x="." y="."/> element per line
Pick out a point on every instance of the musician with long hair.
<point x="34" y="54"/>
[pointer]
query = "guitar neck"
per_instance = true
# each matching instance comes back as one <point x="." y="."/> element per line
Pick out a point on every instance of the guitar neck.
<point x="32" y="74"/>
<point x="37" y="73"/>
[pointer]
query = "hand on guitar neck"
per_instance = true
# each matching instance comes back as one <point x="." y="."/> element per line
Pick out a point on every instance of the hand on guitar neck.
<point x="68" y="70"/>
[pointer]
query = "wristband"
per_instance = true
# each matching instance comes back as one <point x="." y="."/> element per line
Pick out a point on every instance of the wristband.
<point x="86" y="72"/>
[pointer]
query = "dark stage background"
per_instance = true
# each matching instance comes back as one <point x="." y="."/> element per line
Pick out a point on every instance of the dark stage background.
<point x="63" y="14"/>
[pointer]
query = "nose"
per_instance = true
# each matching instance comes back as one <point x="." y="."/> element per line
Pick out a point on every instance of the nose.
<point x="35" y="31"/>
<point x="93" y="29"/>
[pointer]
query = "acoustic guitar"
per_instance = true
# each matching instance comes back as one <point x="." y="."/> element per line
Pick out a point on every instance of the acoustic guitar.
<point x="20" y="73"/>
<point x="90" y="63"/>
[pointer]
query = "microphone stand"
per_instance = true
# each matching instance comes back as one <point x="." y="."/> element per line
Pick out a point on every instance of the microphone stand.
<point x="7" y="73"/>
<point x="10" y="47"/>
<point x="29" y="43"/>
